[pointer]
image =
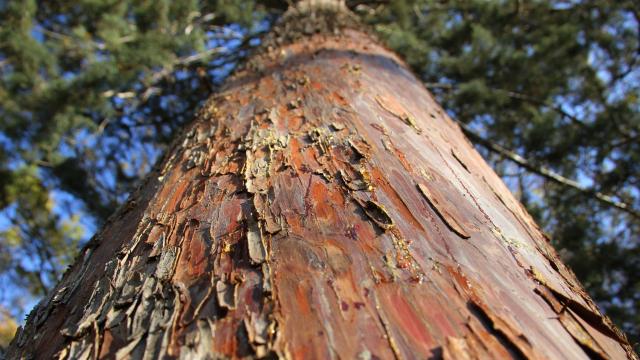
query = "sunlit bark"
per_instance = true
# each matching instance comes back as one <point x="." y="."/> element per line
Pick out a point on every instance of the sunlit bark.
<point x="322" y="206"/>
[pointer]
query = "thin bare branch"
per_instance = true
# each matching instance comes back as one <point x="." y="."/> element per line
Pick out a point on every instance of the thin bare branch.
<point x="546" y="172"/>
<point x="518" y="96"/>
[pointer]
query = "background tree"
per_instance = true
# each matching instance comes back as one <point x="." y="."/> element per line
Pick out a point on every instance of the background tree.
<point x="92" y="91"/>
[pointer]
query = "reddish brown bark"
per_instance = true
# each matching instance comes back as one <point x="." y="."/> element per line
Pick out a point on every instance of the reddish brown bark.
<point x="322" y="206"/>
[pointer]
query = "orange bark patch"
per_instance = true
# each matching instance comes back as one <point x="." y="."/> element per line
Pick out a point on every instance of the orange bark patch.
<point x="302" y="300"/>
<point x="403" y="317"/>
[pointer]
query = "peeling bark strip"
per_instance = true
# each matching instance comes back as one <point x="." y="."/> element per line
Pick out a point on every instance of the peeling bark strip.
<point x="441" y="206"/>
<point x="298" y="218"/>
<point x="376" y="213"/>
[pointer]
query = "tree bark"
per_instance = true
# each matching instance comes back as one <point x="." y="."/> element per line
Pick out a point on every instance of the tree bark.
<point x="321" y="206"/>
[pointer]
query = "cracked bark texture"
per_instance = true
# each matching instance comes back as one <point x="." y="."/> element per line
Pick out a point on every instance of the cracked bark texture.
<point x="321" y="206"/>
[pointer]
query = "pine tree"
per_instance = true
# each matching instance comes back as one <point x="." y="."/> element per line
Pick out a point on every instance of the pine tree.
<point x="320" y="205"/>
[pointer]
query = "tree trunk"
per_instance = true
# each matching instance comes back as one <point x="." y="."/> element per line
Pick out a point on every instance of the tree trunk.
<point x="322" y="206"/>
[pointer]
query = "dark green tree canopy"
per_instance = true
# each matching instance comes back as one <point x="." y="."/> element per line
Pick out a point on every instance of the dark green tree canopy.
<point x="92" y="91"/>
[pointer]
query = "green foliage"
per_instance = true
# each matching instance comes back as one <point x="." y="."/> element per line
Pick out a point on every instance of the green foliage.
<point x="91" y="91"/>
<point x="8" y="328"/>
<point x="38" y="242"/>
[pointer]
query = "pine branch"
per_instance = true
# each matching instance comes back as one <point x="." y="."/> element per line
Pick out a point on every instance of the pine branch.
<point x="624" y="133"/>
<point x="71" y="39"/>
<point x="149" y="86"/>
<point x="545" y="172"/>
<point x="164" y="72"/>
<point x="518" y="96"/>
